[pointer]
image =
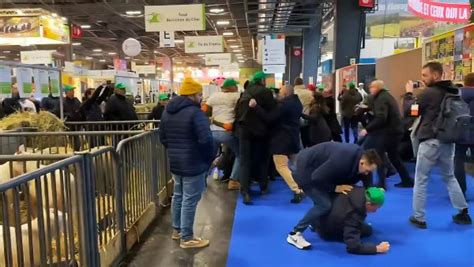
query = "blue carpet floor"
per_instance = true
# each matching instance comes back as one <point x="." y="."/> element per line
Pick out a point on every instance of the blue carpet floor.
<point x="260" y="231"/>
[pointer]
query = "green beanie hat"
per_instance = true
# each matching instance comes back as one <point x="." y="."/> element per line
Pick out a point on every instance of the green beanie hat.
<point x="229" y="83"/>
<point x="351" y="85"/>
<point x="375" y="195"/>
<point x="69" y="88"/>
<point x="164" y="97"/>
<point x="120" y="86"/>
<point x="321" y="87"/>
<point x="258" y="77"/>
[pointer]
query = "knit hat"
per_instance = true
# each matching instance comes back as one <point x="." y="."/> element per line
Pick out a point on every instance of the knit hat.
<point x="321" y="87"/>
<point x="351" y="85"/>
<point x="311" y="87"/>
<point x="258" y="77"/>
<point x="375" y="195"/>
<point x="190" y="87"/>
<point x="229" y="83"/>
<point x="69" y="88"/>
<point x="120" y="86"/>
<point x="164" y="97"/>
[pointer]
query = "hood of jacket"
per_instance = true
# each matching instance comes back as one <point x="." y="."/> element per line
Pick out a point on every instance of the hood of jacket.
<point x="178" y="103"/>
<point x="448" y="86"/>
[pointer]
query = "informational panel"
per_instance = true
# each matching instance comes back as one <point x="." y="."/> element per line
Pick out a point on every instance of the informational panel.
<point x="274" y="51"/>
<point x="175" y="18"/>
<point x="54" y="82"/>
<point x="167" y="39"/>
<point x="452" y="49"/>
<point x="273" y="68"/>
<point x="144" y="69"/>
<point x="204" y="44"/>
<point x="41" y="79"/>
<point x="218" y="59"/>
<point x="24" y="77"/>
<point x="5" y="81"/>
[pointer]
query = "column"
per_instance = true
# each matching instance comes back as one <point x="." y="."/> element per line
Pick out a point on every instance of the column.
<point x="293" y="63"/>
<point x="311" y="51"/>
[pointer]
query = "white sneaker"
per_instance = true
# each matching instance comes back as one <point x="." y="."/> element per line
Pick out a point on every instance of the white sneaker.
<point x="298" y="241"/>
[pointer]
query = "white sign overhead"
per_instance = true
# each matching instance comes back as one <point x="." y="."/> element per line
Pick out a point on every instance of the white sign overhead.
<point x="273" y="69"/>
<point x="175" y="18"/>
<point x="37" y="57"/>
<point x="274" y="51"/>
<point x="167" y="39"/>
<point x="144" y="69"/>
<point x="218" y="59"/>
<point x="204" y="44"/>
<point x="131" y="47"/>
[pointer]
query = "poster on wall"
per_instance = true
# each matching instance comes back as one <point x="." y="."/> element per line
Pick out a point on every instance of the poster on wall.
<point x="24" y="77"/>
<point x="467" y="42"/>
<point x="5" y="81"/>
<point x="467" y="67"/>
<point x="458" y="70"/>
<point x="348" y="75"/>
<point x="458" y="44"/>
<point x="41" y="80"/>
<point x="54" y="82"/>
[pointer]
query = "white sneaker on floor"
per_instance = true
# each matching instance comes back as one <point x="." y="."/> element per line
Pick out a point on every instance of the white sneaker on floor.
<point x="298" y="241"/>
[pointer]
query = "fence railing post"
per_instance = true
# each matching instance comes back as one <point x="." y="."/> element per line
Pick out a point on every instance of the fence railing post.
<point x="154" y="159"/>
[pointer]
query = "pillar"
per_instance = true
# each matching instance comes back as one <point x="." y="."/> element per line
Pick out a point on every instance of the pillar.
<point x="293" y="63"/>
<point x="349" y="27"/>
<point x="312" y="50"/>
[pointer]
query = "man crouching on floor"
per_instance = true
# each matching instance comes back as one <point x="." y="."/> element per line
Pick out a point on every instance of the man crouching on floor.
<point x="346" y="220"/>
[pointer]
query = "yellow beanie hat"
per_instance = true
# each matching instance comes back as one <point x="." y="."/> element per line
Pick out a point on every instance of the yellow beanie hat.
<point x="190" y="87"/>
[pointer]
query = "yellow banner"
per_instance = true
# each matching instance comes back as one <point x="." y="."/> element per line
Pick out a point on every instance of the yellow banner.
<point x="11" y="27"/>
<point x="55" y="29"/>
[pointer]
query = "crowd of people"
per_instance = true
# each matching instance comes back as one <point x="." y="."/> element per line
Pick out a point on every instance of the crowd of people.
<point x="295" y="131"/>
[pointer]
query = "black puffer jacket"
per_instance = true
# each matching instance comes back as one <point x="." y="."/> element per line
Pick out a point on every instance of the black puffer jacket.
<point x="430" y="105"/>
<point x="345" y="221"/>
<point x="118" y="108"/>
<point x="387" y="119"/>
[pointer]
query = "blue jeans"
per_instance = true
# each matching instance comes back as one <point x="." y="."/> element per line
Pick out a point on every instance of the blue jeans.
<point x="228" y="139"/>
<point x="431" y="153"/>
<point x="186" y="195"/>
<point x="322" y="205"/>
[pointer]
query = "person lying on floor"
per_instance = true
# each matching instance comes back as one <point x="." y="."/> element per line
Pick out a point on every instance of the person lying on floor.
<point x="326" y="169"/>
<point x="346" y="220"/>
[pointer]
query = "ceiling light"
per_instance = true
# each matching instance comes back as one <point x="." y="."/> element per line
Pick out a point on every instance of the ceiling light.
<point x="85" y="26"/>
<point x="64" y="18"/>
<point x="54" y="14"/>
<point x="101" y="60"/>
<point x="237" y="50"/>
<point x="112" y="53"/>
<point x="76" y="44"/>
<point x="201" y="55"/>
<point x="223" y="22"/>
<point x="231" y="40"/>
<point x="228" y="34"/>
<point x="216" y="10"/>
<point x="2" y="56"/>
<point x="88" y="58"/>
<point x="97" y="50"/>
<point x="234" y="46"/>
<point x="133" y="12"/>
<point x="6" y="52"/>
<point x="179" y="41"/>
<point x="241" y="61"/>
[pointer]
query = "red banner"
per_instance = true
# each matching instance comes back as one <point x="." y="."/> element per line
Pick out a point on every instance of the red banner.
<point x="438" y="11"/>
<point x="367" y="3"/>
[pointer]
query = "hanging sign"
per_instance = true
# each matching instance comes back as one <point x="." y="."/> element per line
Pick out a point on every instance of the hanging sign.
<point x="175" y="18"/>
<point x="167" y="39"/>
<point x="24" y="77"/>
<point x="367" y="3"/>
<point x="274" y="51"/>
<point x="37" y="57"/>
<point x="273" y="69"/>
<point x="297" y="52"/>
<point x="54" y="82"/>
<point x="144" y="69"/>
<point x="438" y="11"/>
<point x="131" y="47"/>
<point x="76" y="31"/>
<point x="218" y="59"/>
<point x="5" y="80"/>
<point x="203" y="44"/>
<point x="41" y="83"/>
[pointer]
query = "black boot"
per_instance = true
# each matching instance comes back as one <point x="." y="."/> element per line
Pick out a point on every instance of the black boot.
<point x="462" y="217"/>
<point x="297" y="197"/>
<point x="247" y="200"/>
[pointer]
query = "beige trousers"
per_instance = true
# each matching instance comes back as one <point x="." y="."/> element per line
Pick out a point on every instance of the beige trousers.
<point x="281" y="165"/>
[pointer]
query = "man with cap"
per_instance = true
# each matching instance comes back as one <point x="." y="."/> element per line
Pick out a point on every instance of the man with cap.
<point x="323" y="170"/>
<point x="118" y="108"/>
<point x="346" y="220"/>
<point x="185" y="132"/>
<point x="254" y="134"/>
<point x="71" y="104"/>
<point x="223" y="117"/>
<point x="157" y="111"/>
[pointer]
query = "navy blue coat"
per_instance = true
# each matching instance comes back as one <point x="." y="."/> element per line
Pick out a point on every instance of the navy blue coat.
<point x="285" y="137"/>
<point x="327" y="165"/>
<point x="185" y="132"/>
<point x="467" y="94"/>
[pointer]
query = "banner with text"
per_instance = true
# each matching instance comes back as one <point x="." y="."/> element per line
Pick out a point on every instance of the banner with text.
<point x="167" y="39"/>
<point x="450" y="12"/>
<point x="203" y="44"/>
<point x="175" y="18"/>
<point x="218" y="59"/>
<point x="37" y="57"/>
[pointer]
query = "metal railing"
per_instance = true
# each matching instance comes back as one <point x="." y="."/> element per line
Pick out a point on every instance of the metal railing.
<point x="100" y="200"/>
<point x="48" y="207"/>
<point x="112" y="125"/>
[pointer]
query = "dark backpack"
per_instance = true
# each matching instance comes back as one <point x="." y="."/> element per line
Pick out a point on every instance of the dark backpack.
<point x="454" y="123"/>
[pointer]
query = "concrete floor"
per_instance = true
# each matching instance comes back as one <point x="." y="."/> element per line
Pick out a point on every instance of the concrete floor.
<point x="214" y="221"/>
